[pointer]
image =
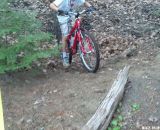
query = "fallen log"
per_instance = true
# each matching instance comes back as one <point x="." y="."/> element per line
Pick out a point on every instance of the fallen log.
<point x="101" y="119"/>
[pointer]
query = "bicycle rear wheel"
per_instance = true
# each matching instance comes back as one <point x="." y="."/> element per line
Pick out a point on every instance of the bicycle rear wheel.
<point x="89" y="52"/>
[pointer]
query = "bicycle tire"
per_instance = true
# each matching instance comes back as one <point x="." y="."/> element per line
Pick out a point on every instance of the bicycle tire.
<point x="70" y="56"/>
<point x="87" y="66"/>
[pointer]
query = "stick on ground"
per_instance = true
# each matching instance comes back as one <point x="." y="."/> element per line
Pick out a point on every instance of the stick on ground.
<point x="101" y="119"/>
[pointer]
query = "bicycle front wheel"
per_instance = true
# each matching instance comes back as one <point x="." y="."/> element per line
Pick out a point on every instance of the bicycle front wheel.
<point x="89" y="52"/>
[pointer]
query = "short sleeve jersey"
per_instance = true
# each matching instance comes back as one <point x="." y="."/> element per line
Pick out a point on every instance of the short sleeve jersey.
<point x="67" y="5"/>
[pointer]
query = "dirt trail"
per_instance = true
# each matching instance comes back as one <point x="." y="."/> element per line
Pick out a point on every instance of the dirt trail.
<point x="66" y="100"/>
<point x="34" y="100"/>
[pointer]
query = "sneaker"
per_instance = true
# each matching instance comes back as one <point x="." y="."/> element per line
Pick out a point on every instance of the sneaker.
<point x="66" y="62"/>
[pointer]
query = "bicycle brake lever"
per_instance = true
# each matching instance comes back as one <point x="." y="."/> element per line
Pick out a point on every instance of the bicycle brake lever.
<point x="77" y="15"/>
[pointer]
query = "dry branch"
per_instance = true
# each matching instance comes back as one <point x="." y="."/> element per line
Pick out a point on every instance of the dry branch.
<point x="101" y="119"/>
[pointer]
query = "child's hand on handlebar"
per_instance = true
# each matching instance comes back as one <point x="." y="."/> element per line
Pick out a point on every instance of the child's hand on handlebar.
<point x="61" y="12"/>
<point x="90" y="9"/>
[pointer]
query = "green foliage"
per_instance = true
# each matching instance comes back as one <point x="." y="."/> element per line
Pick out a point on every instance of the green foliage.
<point x="116" y="123"/>
<point x="117" y="128"/>
<point x="21" y="41"/>
<point x="135" y="107"/>
<point x="120" y="117"/>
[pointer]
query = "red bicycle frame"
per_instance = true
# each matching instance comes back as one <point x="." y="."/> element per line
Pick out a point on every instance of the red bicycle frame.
<point x="77" y="35"/>
<point x="84" y="43"/>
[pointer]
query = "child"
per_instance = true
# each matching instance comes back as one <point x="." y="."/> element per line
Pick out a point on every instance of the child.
<point x="62" y="7"/>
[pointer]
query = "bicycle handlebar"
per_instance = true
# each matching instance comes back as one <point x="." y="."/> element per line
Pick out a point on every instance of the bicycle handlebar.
<point x="77" y="13"/>
<point x="70" y="13"/>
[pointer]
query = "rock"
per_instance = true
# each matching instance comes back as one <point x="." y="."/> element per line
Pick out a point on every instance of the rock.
<point x="44" y="71"/>
<point x="27" y="81"/>
<point x="110" y="69"/>
<point x="153" y="119"/>
<point x="55" y="91"/>
<point x="71" y="116"/>
<point x="38" y="63"/>
<point x="39" y="101"/>
<point x="29" y="121"/>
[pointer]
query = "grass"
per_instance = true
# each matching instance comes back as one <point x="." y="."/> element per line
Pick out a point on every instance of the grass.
<point x="116" y="123"/>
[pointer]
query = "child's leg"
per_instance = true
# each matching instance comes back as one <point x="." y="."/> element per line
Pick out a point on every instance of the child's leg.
<point x="64" y="44"/>
<point x="63" y="20"/>
<point x="65" y="54"/>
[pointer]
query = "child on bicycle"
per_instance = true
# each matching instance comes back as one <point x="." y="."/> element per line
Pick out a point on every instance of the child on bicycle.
<point x="62" y="7"/>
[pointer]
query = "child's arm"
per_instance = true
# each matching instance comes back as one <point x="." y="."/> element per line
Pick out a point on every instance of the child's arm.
<point x="87" y="4"/>
<point x="53" y="7"/>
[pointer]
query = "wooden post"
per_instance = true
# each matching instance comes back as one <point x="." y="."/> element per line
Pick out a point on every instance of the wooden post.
<point x="101" y="119"/>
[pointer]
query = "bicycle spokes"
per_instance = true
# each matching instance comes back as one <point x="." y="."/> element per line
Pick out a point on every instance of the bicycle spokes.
<point x="87" y="47"/>
<point x="89" y="53"/>
<point x="88" y="40"/>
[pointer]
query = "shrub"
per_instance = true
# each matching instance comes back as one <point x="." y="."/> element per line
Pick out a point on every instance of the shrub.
<point x="21" y="39"/>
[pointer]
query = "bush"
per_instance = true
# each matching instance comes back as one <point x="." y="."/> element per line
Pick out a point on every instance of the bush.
<point x="21" y="39"/>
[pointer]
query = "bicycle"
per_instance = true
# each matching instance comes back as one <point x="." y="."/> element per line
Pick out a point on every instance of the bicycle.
<point x="83" y="44"/>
